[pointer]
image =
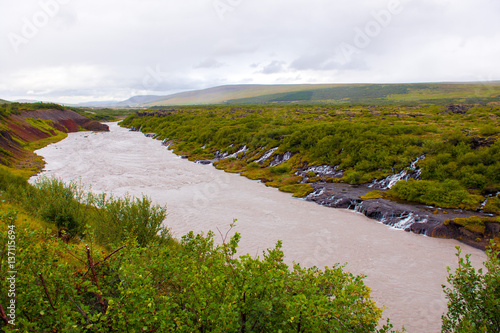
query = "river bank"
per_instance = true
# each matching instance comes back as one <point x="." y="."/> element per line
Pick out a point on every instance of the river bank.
<point x="405" y="271"/>
<point x="411" y="217"/>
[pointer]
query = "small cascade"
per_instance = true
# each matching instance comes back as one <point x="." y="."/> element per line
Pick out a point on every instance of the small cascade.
<point x="315" y="194"/>
<point x="356" y="205"/>
<point x="404" y="222"/>
<point x="149" y="135"/>
<point x="484" y="204"/>
<point x="167" y="143"/>
<point x="278" y="159"/>
<point x="486" y="201"/>
<point x="220" y="155"/>
<point x="266" y="155"/>
<point x="322" y="171"/>
<point x="405" y="174"/>
<point x="244" y="149"/>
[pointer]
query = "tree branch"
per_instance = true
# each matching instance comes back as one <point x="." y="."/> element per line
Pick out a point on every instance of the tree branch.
<point x="47" y="292"/>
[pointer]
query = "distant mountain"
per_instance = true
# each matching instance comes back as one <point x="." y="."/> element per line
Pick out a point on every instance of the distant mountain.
<point x="137" y="101"/>
<point x="4" y="101"/>
<point x="96" y="104"/>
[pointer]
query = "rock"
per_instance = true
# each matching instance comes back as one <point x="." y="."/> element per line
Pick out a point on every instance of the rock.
<point x="204" y="162"/>
<point x="492" y="229"/>
<point x="477" y="142"/>
<point x="458" y="109"/>
<point x="95" y="126"/>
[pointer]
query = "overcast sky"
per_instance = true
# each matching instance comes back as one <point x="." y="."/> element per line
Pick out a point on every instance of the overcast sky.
<point x="84" y="50"/>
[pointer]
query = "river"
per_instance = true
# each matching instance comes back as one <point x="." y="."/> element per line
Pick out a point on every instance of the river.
<point x="405" y="271"/>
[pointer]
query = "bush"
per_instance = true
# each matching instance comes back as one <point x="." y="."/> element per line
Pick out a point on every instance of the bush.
<point x="70" y="208"/>
<point x="195" y="286"/>
<point x="447" y="194"/>
<point x="474" y="297"/>
<point x="121" y="218"/>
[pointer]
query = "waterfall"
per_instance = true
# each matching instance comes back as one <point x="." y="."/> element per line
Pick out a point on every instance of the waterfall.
<point x="244" y="149"/>
<point x="266" y="155"/>
<point x="404" y="174"/>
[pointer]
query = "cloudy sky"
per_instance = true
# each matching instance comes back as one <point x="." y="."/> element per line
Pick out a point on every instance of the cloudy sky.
<point x="84" y="50"/>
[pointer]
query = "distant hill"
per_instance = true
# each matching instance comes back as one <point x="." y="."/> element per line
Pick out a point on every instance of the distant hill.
<point x="424" y="93"/>
<point x="412" y="93"/>
<point x="221" y="94"/>
<point x="3" y="101"/>
<point x="136" y="101"/>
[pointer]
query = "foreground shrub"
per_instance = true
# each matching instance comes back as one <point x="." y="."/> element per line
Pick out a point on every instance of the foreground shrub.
<point x="119" y="218"/>
<point x="74" y="211"/>
<point x="474" y="296"/>
<point x="194" y="286"/>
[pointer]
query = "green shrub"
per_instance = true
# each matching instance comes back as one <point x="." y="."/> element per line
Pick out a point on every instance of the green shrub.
<point x="442" y="194"/>
<point x="122" y="218"/>
<point x="473" y="296"/>
<point x="194" y="286"/>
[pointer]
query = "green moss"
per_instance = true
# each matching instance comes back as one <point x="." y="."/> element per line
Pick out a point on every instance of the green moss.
<point x="298" y="190"/>
<point x="373" y="195"/>
<point x="492" y="205"/>
<point x="231" y="165"/>
<point x="475" y="224"/>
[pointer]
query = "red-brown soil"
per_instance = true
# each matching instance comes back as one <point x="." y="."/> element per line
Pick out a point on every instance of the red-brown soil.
<point x="16" y="132"/>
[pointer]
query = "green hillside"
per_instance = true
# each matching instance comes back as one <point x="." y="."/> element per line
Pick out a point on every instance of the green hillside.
<point x="221" y="94"/>
<point x="4" y="101"/>
<point x="383" y="94"/>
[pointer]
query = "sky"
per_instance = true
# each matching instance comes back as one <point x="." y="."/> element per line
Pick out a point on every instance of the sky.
<point x="71" y="51"/>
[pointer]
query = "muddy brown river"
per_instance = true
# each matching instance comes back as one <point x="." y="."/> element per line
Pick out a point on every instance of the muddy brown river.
<point x="405" y="271"/>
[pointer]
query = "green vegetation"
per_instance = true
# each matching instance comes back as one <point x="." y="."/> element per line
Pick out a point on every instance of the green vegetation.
<point x="475" y="224"/>
<point x="460" y="144"/>
<point x="104" y="114"/>
<point x="338" y="94"/>
<point x="382" y="94"/>
<point x="95" y="263"/>
<point x="89" y="263"/>
<point x="7" y="109"/>
<point x="474" y="297"/>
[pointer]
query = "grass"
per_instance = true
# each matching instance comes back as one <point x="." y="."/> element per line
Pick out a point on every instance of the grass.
<point x="475" y="224"/>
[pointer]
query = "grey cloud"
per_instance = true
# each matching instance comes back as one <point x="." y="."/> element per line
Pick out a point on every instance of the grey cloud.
<point x="209" y="63"/>
<point x="274" y="67"/>
<point x="96" y="46"/>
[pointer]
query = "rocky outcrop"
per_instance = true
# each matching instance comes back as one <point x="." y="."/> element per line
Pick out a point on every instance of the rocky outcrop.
<point x="419" y="219"/>
<point x="67" y="121"/>
<point x="18" y="130"/>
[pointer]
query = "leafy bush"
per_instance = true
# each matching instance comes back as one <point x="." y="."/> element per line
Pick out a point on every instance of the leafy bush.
<point x="72" y="209"/>
<point x="120" y="218"/>
<point x="59" y="203"/>
<point x="474" y="296"/>
<point x="442" y="194"/>
<point x="193" y="286"/>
